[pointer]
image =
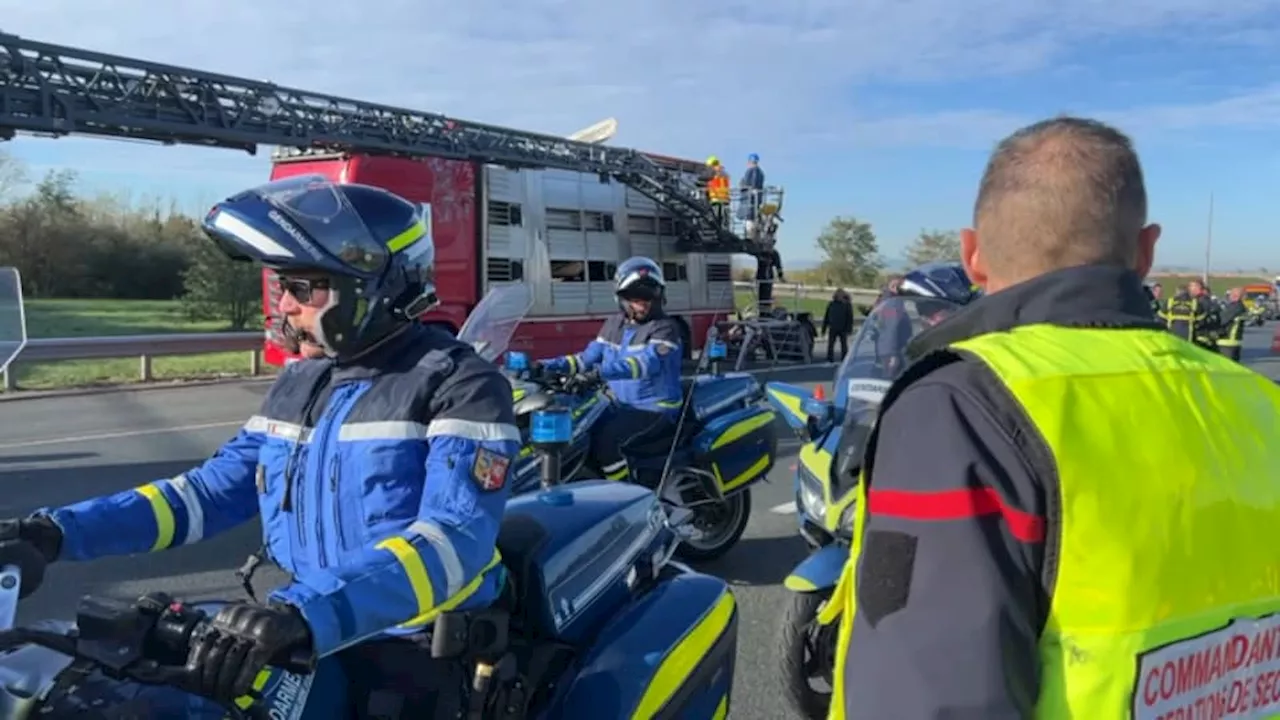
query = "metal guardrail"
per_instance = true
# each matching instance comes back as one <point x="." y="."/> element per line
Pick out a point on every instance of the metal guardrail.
<point x="143" y="347"/>
<point x="784" y="291"/>
<point x="147" y="347"/>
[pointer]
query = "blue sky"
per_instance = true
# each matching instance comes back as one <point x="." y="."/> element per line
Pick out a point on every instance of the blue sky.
<point x="883" y="109"/>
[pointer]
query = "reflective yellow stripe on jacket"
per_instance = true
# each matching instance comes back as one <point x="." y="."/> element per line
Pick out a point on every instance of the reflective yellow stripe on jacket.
<point x="1166" y="602"/>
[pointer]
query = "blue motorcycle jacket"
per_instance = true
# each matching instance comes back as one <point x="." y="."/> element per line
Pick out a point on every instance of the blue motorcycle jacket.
<point x="641" y="361"/>
<point x="381" y="485"/>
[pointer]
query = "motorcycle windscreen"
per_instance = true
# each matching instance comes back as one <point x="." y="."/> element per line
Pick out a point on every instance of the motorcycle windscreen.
<point x="878" y="354"/>
<point x="493" y="322"/>
<point x="13" y="320"/>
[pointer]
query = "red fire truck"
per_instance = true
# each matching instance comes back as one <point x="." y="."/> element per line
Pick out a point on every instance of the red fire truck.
<point x="501" y="202"/>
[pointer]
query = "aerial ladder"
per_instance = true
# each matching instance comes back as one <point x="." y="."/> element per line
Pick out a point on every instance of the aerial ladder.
<point x="55" y="90"/>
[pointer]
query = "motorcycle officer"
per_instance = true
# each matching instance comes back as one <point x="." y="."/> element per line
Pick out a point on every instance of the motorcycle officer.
<point x="944" y="282"/>
<point x="378" y="461"/>
<point x="638" y="352"/>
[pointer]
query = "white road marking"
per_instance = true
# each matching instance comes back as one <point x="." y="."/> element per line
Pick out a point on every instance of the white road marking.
<point x="112" y="436"/>
<point x="788" y="508"/>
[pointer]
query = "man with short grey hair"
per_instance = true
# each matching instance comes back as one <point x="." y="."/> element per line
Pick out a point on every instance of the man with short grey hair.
<point x="1051" y="487"/>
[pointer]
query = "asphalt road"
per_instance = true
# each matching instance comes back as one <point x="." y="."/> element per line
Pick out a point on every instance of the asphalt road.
<point x="56" y="450"/>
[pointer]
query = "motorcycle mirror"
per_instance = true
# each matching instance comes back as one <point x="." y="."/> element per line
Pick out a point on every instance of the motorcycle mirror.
<point x="820" y="416"/>
<point x="21" y="572"/>
<point x="13" y="319"/>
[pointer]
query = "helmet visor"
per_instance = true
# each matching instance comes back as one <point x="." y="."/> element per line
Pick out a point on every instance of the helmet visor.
<point x="315" y="212"/>
<point x="953" y="283"/>
<point x="641" y="290"/>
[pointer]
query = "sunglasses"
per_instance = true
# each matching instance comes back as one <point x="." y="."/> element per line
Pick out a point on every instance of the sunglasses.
<point x="301" y="288"/>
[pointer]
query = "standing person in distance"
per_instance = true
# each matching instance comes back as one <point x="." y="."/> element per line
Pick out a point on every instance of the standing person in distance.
<point x="1231" y="324"/>
<point x="1156" y="292"/>
<point x="638" y="352"/>
<point x="1205" y="319"/>
<point x="837" y="323"/>
<point x="378" y="462"/>
<point x="1034" y="562"/>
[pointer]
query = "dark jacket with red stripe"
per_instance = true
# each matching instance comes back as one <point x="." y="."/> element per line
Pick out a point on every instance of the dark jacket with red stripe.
<point x="958" y="559"/>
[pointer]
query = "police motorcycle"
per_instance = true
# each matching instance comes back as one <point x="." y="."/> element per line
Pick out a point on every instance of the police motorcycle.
<point x="596" y="621"/>
<point x="827" y="476"/>
<point x="725" y="444"/>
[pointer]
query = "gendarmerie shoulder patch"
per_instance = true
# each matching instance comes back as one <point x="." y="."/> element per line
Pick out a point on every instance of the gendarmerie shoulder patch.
<point x="490" y="469"/>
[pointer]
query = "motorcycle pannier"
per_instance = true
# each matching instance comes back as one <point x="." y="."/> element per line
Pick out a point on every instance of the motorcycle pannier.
<point x="738" y="447"/>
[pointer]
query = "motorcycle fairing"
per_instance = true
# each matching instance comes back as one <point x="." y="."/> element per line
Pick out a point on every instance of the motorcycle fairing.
<point x="570" y="551"/>
<point x="670" y="654"/>
<point x="713" y="394"/>
<point x="820" y="571"/>
<point x="788" y="400"/>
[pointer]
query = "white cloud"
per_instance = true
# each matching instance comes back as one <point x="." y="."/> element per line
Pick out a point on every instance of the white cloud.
<point x="683" y="77"/>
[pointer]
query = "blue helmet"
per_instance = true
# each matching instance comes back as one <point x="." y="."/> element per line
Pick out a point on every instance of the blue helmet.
<point x="753" y="158"/>
<point x="941" y="280"/>
<point x="639" y="278"/>
<point x="373" y="247"/>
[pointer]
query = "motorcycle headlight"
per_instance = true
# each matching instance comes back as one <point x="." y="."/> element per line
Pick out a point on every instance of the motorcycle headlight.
<point x="812" y="500"/>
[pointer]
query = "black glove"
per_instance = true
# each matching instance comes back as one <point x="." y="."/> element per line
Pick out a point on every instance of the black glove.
<point x="30" y="544"/>
<point x="239" y="642"/>
<point x="588" y="378"/>
<point x="537" y="371"/>
<point x="41" y="532"/>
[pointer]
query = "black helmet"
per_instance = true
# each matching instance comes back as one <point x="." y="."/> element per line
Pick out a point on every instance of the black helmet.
<point x="374" y="246"/>
<point x="639" y="278"/>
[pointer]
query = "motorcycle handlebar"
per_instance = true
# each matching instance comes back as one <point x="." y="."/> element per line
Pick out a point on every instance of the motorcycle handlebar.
<point x="574" y="384"/>
<point x="147" y="641"/>
<point x="159" y="629"/>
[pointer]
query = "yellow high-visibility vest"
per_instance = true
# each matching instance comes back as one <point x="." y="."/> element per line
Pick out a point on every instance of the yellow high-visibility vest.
<point x="1166" y="602"/>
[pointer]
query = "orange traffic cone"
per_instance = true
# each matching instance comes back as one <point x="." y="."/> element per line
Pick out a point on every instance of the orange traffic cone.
<point x="819" y="393"/>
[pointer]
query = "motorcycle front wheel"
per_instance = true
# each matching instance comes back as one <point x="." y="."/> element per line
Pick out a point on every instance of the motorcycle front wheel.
<point x="719" y="527"/>
<point x="806" y="655"/>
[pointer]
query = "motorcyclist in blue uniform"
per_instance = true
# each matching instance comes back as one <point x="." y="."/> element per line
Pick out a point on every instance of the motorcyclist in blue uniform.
<point x="638" y="352"/>
<point x="378" y="462"/>
<point x="946" y="282"/>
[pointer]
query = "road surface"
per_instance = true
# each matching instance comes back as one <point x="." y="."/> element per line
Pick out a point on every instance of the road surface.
<point x="60" y="449"/>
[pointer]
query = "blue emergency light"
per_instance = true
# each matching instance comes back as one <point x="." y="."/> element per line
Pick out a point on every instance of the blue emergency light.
<point x="717" y="350"/>
<point x="553" y="426"/>
<point x="517" y="361"/>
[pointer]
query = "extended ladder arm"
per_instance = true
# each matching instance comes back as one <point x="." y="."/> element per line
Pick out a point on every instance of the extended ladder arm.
<point x="58" y="90"/>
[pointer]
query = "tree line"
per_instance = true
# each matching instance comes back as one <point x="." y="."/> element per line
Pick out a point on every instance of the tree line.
<point x="68" y="246"/>
<point x="852" y="257"/>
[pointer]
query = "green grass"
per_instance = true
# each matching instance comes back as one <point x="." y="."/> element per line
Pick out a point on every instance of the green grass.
<point x="88" y="318"/>
<point x="744" y="299"/>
